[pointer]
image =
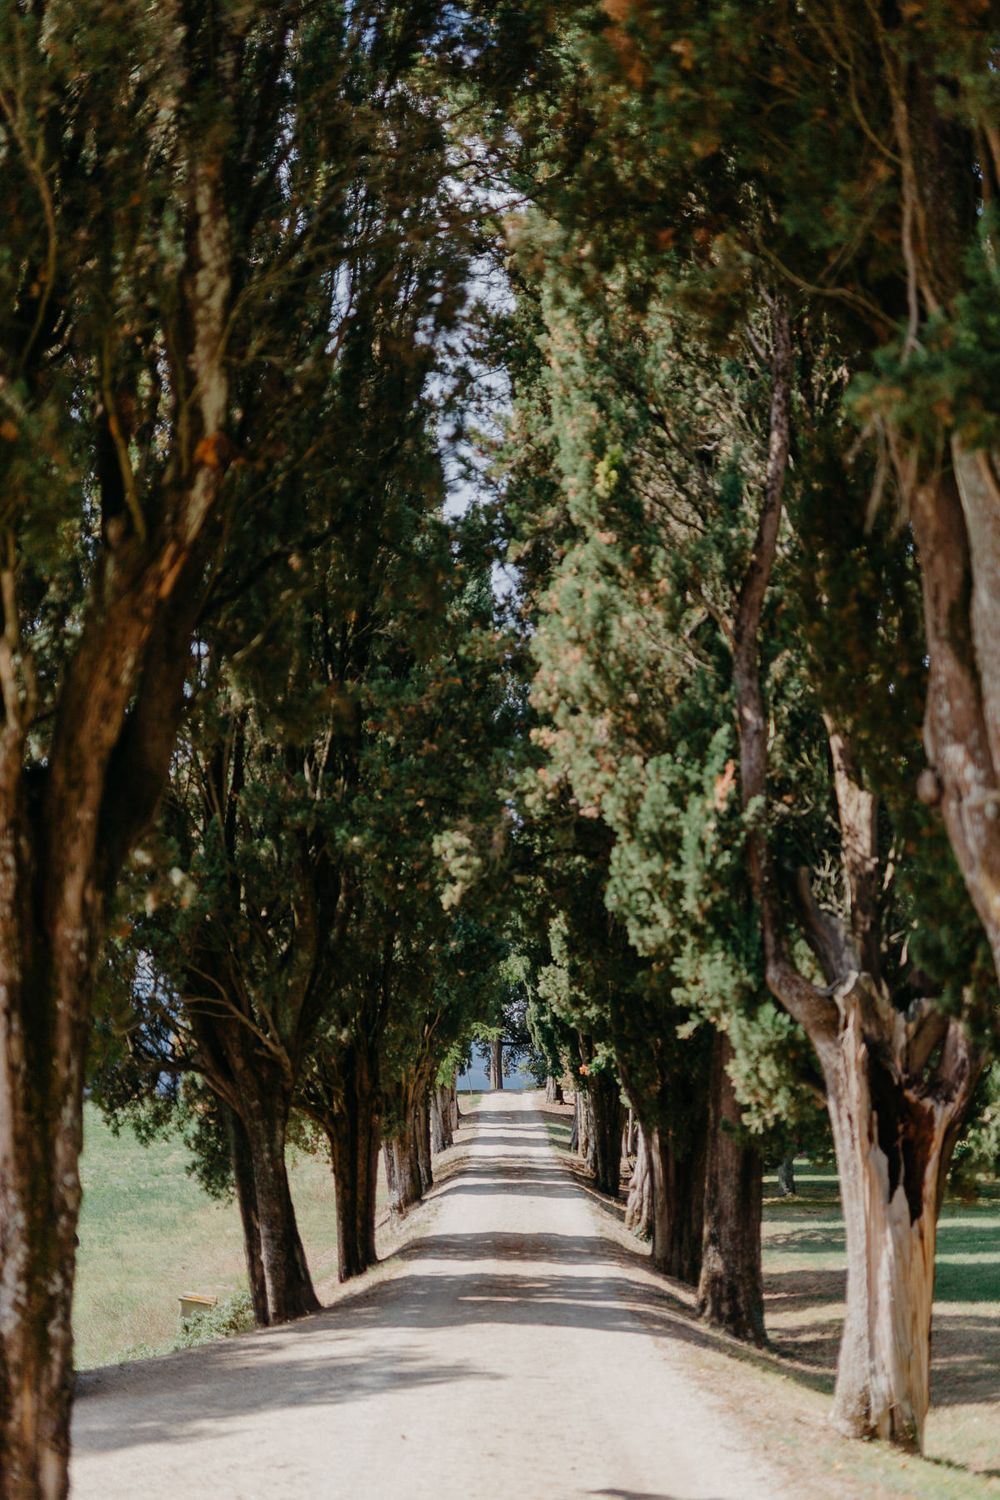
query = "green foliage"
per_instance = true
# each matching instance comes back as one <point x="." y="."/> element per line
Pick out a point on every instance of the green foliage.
<point x="977" y="1153"/>
<point x="230" y="1316"/>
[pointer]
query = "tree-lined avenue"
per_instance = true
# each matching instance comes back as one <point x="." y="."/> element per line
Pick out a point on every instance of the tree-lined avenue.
<point x="451" y="1377"/>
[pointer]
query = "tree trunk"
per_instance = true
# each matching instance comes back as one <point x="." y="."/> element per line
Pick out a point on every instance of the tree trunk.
<point x="605" y="1156"/>
<point x="289" y="1286"/>
<point x="954" y="521"/>
<point x="553" y="1090"/>
<point x="354" y="1134"/>
<point x="41" y="1131"/>
<point x="786" y="1176"/>
<point x="444" y="1095"/>
<point x="246" y="1196"/>
<point x="731" y="1285"/>
<point x="402" y="1170"/>
<point x="582" y="1138"/>
<point x="456" y="1113"/>
<point x="639" y="1209"/>
<point x="422" y="1141"/>
<point x="496" y="1063"/>
<point x="678" y="1193"/>
<point x="630" y="1137"/>
<point x="441" y="1129"/>
<point x="67" y="823"/>
<point x="893" y="1147"/>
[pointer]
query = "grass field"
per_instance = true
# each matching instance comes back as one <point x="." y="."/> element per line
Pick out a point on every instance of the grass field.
<point x="148" y="1232"/>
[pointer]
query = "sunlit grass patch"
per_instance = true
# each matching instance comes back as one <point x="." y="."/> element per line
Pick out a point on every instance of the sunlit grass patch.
<point x="149" y="1233"/>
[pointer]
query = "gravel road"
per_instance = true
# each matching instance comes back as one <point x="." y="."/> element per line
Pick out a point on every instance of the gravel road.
<point x="510" y="1352"/>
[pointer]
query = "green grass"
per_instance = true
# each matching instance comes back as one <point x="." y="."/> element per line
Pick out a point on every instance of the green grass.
<point x="804" y="1278"/>
<point x="148" y="1232"/>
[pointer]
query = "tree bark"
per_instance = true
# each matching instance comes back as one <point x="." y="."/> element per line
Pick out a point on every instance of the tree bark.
<point x="246" y="1196"/>
<point x="582" y="1136"/>
<point x="40" y="1141"/>
<point x="605" y="1156"/>
<point x="61" y="848"/>
<point x="290" y="1292"/>
<point x="402" y="1170"/>
<point x="422" y="1141"/>
<point x="898" y="1081"/>
<point x="893" y="1144"/>
<point x="954" y="523"/>
<point x="496" y="1063"/>
<point x="441" y="1128"/>
<point x="678" y="1196"/>
<point x="456" y="1113"/>
<point x="731" y="1284"/>
<point x="639" y="1209"/>
<point x="786" y="1176"/>
<point x="354" y="1135"/>
<point x="553" y="1090"/>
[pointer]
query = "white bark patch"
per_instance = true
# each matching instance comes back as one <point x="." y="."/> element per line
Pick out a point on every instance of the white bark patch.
<point x="901" y="1275"/>
<point x="883" y="1375"/>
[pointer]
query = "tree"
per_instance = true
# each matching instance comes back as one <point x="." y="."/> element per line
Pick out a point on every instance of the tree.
<point x="122" y="323"/>
<point x="740" y="219"/>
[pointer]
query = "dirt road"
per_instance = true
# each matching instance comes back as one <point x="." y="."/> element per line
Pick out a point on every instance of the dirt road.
<point x="510" y="1353"/>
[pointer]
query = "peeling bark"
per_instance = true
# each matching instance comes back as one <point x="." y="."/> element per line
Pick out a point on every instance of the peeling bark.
<point x="639" y="1208"/>
<point x="894" y="1139"/>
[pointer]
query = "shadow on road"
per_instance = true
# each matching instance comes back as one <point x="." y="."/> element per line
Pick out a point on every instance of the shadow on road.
<point x="633" y="1495"/>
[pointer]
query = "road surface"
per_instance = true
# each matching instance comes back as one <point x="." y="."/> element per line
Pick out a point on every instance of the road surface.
<point x="514" y="1352"/>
